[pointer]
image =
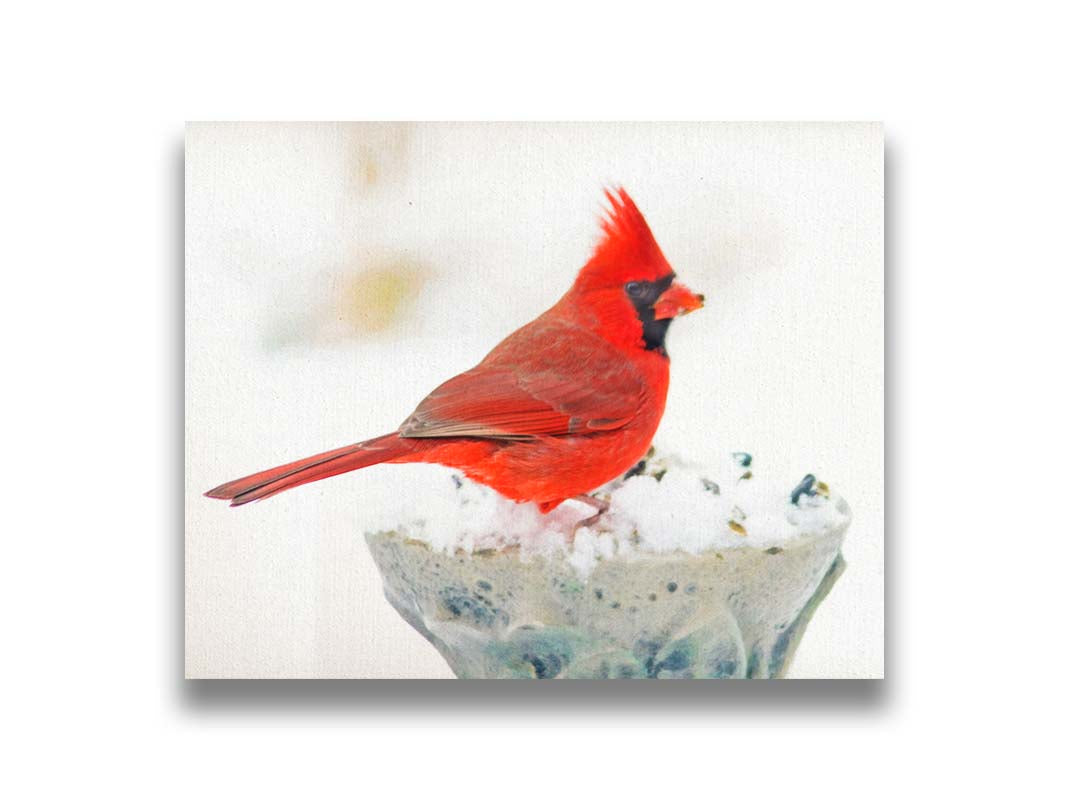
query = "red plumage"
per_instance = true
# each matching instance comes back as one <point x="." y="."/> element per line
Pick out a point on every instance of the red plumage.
<point x="559" y="407"/>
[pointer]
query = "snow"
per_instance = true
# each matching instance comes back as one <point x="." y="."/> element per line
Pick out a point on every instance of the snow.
<point x="671" y="506"/>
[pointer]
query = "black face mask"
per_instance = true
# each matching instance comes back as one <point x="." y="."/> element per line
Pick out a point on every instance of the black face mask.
<point x="643" y="295"/>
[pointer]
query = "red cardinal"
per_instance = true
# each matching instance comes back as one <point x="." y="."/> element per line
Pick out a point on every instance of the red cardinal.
<point x="561" y="406"/>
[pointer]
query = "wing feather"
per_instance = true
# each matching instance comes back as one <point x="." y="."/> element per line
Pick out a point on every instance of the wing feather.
<point x="547" y="379"/>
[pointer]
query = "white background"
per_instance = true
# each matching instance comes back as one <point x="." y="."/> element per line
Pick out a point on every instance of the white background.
<point x="780" y="225"/>
<point x="92" y="323"/>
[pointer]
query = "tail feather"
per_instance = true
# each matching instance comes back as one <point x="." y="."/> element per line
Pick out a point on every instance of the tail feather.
<point x="324" y="465"/>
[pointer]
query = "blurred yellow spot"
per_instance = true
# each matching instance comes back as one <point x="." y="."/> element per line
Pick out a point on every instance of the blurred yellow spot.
<point x="369" y="167"/>
<point x="737" y="527"/>
<point x="377" y="298"/>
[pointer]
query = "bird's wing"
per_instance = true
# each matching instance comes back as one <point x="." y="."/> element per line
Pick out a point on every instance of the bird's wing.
<point x="544" y="380"/>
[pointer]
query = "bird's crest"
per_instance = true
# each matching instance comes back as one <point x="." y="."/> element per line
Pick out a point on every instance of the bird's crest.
<point x="627" y="249"/>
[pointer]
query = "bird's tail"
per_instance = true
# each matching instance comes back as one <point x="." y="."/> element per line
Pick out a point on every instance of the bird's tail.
<point x="324" y="465"/>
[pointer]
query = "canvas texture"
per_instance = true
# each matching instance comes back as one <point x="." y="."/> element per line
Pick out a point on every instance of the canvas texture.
<point x="337" y="272"/>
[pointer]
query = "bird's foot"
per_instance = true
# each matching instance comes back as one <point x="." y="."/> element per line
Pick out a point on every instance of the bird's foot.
<point x="601" y="507"/>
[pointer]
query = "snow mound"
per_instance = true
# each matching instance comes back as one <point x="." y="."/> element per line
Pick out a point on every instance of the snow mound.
<point x="663" y="505"/>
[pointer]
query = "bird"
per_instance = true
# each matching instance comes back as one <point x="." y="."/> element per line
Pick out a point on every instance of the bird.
<point x="560" y="407"/>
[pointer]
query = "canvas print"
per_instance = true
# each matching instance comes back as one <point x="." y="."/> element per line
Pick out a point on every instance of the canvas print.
<point x="542" y="401"/>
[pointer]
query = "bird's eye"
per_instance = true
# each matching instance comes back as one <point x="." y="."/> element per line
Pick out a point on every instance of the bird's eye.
<point x="633" y="288"/>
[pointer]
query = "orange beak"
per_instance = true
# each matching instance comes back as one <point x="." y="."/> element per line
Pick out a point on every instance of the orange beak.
<point x="677" y="300"/>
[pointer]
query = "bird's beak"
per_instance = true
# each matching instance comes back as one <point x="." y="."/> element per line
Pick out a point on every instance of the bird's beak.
<point x="677" y="300"/>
